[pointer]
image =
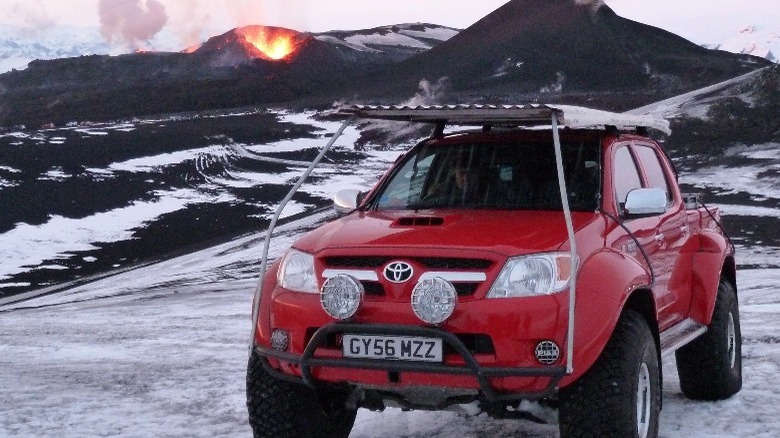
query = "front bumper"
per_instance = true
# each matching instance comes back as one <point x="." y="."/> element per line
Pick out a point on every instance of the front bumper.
<point x="302" y="367"/>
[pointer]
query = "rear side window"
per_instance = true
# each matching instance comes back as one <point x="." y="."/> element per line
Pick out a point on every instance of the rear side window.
<point x="626" y="174"/>
<point x="654" y="172"/>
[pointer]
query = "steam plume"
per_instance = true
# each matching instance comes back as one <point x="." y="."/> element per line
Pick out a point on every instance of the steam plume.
<point x="594" y="4"/>
<point x="386" y="133"/>
<point x="132" y="21"/>
<point x="429" y="93"/>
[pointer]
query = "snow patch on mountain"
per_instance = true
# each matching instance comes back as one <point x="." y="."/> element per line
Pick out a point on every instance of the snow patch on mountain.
<point x="20" y="45"/>
<point x="420" y="36"/>
<point x="753" y="40"/>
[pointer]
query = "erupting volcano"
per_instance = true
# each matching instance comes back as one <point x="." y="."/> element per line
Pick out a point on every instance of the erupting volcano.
<point x="244" y="44"/>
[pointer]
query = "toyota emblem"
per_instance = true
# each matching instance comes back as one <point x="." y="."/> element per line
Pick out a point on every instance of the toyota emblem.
<point x="398" y="272"/>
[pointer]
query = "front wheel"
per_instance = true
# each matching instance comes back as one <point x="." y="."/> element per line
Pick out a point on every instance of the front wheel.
<point x="281" y="409"/>
<point x="620" y="396"/>
<point x="710" y="368"/>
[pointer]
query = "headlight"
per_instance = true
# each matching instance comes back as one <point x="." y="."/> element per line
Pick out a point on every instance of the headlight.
<point x="539" y="274"/>
<point x="297" y="272"/>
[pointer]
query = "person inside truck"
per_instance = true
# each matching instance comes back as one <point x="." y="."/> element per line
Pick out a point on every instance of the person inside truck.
<point x="466" y="183"/>
<point x="467" y="186"/>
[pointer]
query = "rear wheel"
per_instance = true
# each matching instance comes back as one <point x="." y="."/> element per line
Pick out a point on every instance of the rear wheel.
<point x="620" y="395"/>
<point x="710" y="367"/>
<point x="281" y="409"/>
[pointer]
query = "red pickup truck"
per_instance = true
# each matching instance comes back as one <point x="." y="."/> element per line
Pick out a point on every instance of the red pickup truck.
<point x="547" y="255"/>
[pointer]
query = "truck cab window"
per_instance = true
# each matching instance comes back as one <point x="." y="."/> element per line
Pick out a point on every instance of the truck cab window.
<point x="626" y="175"/>
<point x="656" y="177"/>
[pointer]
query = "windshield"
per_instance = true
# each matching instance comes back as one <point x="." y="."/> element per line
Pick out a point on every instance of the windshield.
<point x="493" y="175"/>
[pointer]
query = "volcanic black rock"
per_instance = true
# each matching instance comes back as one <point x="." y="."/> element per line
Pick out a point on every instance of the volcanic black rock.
<point x="562" y="47"/>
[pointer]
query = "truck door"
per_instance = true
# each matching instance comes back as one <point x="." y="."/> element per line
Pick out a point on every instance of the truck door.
<point x="626" y="176"/>
<point x="672" y="232"/>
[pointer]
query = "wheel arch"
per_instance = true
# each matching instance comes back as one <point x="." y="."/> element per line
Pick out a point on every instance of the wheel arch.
<point x="714" y="260"/>
<point x="263" y="330"/>
<point x="607" y="283"/>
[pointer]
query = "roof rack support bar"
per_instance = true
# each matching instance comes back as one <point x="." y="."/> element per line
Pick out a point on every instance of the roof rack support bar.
<point x="275" y="219"/>
<point x="438" y="131"/>
<point x="572" y="244"/>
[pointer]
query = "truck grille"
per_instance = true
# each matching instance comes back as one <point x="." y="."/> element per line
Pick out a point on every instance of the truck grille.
<point x="428" y="262"/>
<point x="376" y="289"/>
<point x="367" y="269"/>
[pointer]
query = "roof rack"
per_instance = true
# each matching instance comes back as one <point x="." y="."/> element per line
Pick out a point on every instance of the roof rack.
<point x="529" y="115"/>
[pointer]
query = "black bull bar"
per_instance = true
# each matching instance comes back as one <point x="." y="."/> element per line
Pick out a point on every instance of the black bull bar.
<point x="482" y="374"/>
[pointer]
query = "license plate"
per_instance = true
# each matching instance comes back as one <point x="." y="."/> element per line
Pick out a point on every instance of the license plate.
<point x="393" y="347"/>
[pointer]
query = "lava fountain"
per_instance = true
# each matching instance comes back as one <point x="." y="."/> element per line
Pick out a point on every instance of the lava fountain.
<point x="274" y="43"/>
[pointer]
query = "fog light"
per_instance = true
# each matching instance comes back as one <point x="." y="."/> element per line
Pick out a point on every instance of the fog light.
<point x="280" y="340"/>
<point x="547" y="352"/>
<point x="434" y="299"/>
<point x="341" y="296"/>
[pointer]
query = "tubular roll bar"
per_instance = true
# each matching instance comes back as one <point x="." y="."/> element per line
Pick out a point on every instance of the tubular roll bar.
<point x="572" y="246"/>
<point x="275" y="219"/>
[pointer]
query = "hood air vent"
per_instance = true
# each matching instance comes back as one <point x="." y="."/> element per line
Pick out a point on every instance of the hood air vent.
<point x="420" y="221"/>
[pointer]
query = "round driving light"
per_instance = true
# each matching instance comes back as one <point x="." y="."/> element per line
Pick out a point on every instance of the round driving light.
<point x="433" y="300"/>
<point x="280" y="340"/>
<point x="341" y="296"/>
<point x="547" y="352"/>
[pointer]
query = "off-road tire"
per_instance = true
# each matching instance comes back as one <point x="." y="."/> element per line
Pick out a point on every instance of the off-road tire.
<point x="283" y="409"/>
<point x="605" y="401"/>
<point x="710" y="368"/>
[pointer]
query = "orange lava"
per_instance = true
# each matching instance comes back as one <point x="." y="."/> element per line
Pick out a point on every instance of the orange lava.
<point x="275" y="43"/>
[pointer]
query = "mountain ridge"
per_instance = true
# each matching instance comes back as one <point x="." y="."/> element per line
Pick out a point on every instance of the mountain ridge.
<point x="526" y="50"/>
<point x="527" y="45"/>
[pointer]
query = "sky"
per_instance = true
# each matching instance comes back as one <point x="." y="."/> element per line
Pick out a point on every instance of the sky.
<point x="701" y="21"/>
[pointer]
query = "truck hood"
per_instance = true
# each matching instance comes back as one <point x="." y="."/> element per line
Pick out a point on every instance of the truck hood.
<point x="504" y="232"/>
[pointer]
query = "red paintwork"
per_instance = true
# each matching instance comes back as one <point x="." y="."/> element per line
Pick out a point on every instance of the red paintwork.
<point x="687" y="264"/>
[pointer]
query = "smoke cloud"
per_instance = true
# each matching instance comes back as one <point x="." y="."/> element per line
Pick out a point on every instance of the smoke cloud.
<point x="194" y="21"/>
<point x="33" y="14"/>
<point x="132" y="22"/>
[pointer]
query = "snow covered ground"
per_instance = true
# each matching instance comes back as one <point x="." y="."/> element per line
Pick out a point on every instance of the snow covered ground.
<point x="161" y="350"/>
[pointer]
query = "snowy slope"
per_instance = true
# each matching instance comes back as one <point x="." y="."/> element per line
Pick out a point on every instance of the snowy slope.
<point x="697" y="102"/>
<point x="752" y="40"/>
<point x="217" y="172"/>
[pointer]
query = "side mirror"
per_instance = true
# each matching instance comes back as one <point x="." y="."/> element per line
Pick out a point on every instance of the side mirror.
<point x="346" y="200"/>
<point x="645" y="202"/>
